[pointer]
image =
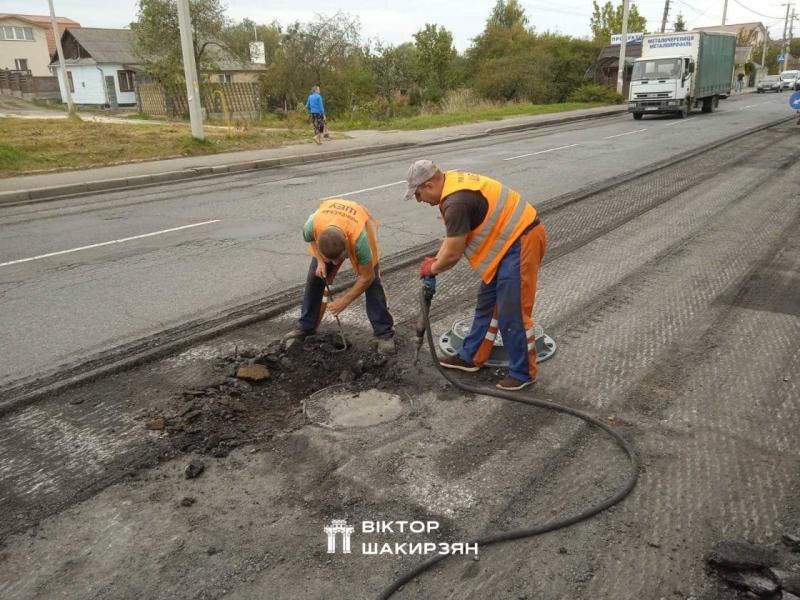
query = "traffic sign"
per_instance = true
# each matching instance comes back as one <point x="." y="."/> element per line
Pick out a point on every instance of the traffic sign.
<point x="794" y="101"/>
<point x="780" y="58"/>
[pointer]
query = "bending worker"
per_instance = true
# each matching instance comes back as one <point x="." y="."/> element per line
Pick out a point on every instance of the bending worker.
<point x="504" y="242"/>
<point x="342" y="229"/>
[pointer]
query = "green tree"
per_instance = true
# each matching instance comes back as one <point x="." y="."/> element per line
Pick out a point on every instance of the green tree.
<point x="435" y="56"/>
<point x="508" y="14"/>
<point x="607" y="21"/>
<point x="237" y="37"/>
<point x="392" y="68"/>
<point x="679" y="24"/>
<point x="157" y="36"/>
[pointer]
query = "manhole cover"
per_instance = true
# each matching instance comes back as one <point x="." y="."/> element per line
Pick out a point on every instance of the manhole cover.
<point x="451" y="342"/>
<point x="337" y="407"/>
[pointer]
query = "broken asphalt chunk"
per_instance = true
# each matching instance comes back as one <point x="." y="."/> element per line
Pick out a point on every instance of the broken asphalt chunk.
<point x="791" y="541"/>
<point x="194" y="468"/>
<point x="157" y="424"/>
<point x="254" y="372"/>
<point x="187" y="501"/>
<point x="750" y="580"/>
<point x="734" y="554"/>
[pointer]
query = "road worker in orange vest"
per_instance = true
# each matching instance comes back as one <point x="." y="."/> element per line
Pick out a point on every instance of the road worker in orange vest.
<point x="341" y="229"/>
<point x="504" y="241"/>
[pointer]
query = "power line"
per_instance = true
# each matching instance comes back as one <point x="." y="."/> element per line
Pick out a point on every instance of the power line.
<point x="756" y="12"/>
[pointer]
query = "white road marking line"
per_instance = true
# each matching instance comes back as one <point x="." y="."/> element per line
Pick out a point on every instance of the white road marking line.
<point x="119" y="241"/>
<point x="626" y="133"/>
<point x="377" y="187"/>
<point x="676" y="122"/>
<point x="750" y="106"/>
<point x="541" y="152"/>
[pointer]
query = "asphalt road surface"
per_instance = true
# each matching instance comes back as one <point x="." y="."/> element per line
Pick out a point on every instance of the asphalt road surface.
<point x="81" y="276"/>
<point x="673" y="298"/>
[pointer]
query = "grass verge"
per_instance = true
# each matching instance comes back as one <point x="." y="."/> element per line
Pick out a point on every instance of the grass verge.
<point x="443" y="119"/>
<point x="29" y="145"/>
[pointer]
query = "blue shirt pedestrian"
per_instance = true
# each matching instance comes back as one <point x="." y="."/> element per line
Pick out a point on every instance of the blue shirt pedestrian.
<point x="314" y="104"/>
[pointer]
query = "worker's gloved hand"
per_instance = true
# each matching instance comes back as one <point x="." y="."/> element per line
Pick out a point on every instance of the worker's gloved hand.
<point x="426" y="268"/>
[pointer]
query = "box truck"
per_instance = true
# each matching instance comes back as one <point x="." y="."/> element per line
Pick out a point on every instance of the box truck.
<point x="681" y="71"/>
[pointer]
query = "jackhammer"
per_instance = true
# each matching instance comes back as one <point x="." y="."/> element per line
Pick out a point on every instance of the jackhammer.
<point x="428" y="290"/>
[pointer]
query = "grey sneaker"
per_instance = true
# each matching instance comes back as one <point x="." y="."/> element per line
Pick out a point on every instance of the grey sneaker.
<point x="386" y="346"/>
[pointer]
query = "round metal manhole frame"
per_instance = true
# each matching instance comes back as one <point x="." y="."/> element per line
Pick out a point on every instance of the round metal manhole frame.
<point x="317" y="413"/>
<point x="451" y="342"/>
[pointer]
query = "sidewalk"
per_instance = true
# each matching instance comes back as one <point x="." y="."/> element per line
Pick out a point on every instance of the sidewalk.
<point x="64" y="183"/>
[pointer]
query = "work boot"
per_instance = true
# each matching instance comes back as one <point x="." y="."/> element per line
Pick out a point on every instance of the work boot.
<point x="295" y="335"/>
<point x="512" y="384"/>
<point x="386" y="346"/>
<point x="454" y="362"/>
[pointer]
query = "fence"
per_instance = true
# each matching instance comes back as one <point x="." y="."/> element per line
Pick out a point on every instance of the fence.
<point x="23" y="85"/>
<point x="238" y="100"/>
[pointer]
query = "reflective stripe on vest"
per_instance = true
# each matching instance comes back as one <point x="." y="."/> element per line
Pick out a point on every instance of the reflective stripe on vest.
<point x="506" y="218"/>
<point x="489" y="226"/>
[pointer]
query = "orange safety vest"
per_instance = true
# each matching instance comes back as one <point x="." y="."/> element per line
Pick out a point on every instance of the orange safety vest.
<point x="506" y="218"/>
<point x="351" y="218"/>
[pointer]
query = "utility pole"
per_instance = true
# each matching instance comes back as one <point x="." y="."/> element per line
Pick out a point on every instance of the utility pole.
<point x="190" y="70"/>
<point x="623" y="43"/>
<point x="61" y="62"/>
<point x="724" y="12"/>
<point x="785" y="38"/>
<point x="666" y="14"/>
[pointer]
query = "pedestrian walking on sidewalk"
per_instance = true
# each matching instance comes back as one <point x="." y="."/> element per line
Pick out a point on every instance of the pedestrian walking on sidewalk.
<point x="316" y="108"/>
<point x="739" y="82"/>
<point x="341" y="229"/>
<point x="504" y="241"/>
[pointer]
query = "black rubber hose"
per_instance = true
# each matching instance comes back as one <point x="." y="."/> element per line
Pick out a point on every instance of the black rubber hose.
<point x="616" y="497"/>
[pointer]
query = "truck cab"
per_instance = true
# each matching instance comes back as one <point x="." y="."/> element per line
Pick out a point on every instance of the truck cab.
<point x="661" y="85"/>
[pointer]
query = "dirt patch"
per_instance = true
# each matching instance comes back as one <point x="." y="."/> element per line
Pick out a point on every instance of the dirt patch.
<point x="236" y="411"/>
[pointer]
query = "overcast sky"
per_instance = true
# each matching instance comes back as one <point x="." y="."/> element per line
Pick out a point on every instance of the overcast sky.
<point x="396" y="21"/>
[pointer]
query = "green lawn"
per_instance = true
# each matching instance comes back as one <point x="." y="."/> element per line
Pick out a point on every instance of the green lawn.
<point x="29" y="145"/>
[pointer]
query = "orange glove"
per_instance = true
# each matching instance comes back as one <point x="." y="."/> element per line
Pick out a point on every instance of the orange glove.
<point x="426" y="268"/>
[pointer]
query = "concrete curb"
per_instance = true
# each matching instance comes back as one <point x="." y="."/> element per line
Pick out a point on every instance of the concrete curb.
<point x="44" y="194"/>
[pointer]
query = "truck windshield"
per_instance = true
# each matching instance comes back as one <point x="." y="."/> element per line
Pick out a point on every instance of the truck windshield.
<point x="662" y="68"/>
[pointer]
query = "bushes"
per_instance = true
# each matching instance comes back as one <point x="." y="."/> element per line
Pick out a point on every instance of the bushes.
<point x="594" y="92"/>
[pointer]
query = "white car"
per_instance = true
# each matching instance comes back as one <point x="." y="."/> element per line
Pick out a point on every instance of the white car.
<point x="791" y="80"/>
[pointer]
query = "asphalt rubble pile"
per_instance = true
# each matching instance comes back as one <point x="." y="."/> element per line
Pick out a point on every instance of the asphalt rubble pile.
<point x="260" y="392"/>
<point x="759" y="571"/>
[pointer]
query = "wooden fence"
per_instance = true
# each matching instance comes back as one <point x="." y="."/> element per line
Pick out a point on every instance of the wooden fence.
<point x="23" y="85"/>
<point x="238" y="100"/>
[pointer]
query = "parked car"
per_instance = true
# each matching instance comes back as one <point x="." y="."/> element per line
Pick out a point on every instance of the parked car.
<point x="791" y="80"/>
<point x="770" y="83"/>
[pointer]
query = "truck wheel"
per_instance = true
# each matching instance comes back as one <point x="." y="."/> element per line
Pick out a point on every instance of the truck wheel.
<point x="638" y="116"/>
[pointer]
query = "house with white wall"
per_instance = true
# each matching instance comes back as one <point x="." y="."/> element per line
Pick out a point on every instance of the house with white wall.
<point x="27" y="42"/>
<point x="100" y="66"/>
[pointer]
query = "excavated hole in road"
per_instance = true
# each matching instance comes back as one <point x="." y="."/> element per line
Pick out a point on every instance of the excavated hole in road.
<point x="233" y="412"/>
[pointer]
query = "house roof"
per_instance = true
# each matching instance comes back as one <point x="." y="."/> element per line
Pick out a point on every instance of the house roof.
<point x="43" y="21"/>
<point x="631" y="51"/>
<point x="106" y="45"/>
